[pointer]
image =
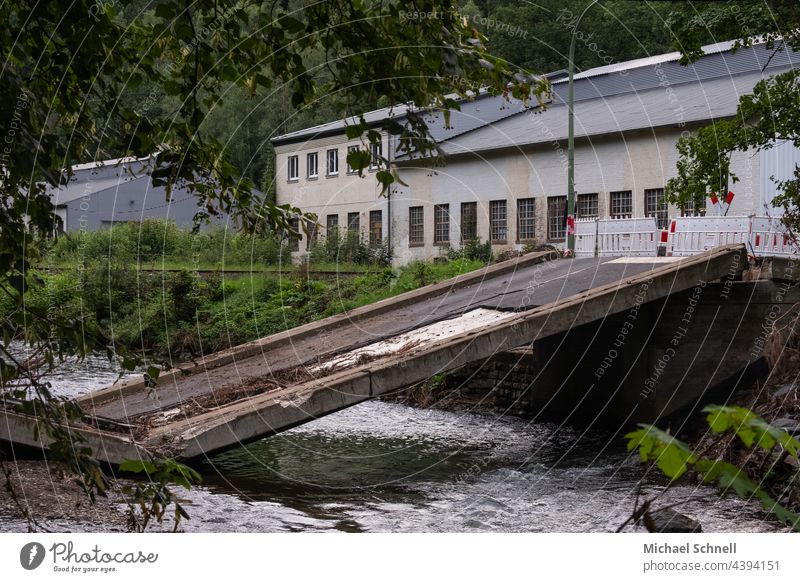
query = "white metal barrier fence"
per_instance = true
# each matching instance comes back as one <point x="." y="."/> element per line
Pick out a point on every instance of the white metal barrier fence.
<point x="607" y="237"/>
<point x="690" y="235"/>
<point x="768" y="237"/>
<point x="632" y="237"/>
<point x="585" y="237"/>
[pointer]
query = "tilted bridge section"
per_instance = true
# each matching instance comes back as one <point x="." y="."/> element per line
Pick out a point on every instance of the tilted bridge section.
<point x="273" y="384"/>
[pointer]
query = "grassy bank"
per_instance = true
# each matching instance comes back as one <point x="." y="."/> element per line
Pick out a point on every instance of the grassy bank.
<point x="182" y="314"/>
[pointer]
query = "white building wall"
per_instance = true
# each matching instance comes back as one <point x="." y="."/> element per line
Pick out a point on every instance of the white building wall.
<point x="643" y="160"/>
<point x="637" y="161"/>
<point x="339" y="194"/>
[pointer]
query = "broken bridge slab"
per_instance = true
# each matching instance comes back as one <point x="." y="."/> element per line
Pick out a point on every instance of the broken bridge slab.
<point x="270" y="385"/>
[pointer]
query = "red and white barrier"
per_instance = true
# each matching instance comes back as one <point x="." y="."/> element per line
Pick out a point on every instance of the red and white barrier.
<point x="686" y="236"/>
<point x="630" y="237"/>
<point x="691" y="235"/>
<point x="768" y="237"/>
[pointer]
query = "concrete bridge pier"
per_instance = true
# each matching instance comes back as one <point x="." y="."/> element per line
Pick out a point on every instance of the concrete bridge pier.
<point x="652" y="361"/>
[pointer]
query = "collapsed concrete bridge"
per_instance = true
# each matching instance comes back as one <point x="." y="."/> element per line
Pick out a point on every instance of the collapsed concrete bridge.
<point x="620" y="339"/>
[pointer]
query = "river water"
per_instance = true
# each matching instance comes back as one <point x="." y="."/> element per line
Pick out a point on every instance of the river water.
<point x="387" y="467"/>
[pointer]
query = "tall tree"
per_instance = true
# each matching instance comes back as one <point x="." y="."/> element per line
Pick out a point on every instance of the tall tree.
<point x="763" y="118"/>
<point x="79" y="80"/>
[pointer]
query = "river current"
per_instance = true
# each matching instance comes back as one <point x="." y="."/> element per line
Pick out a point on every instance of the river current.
<point x="387" y="467"/>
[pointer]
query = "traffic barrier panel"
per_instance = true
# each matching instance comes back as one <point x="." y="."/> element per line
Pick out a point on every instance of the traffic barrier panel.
<point x="585" y="237"/>
<point x="690" y="235"/>
<point x="632" y="237"/>
<point x="769" y="238"/>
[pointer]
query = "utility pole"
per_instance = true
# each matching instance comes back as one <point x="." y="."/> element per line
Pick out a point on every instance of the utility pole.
<point x="571" y="136"/>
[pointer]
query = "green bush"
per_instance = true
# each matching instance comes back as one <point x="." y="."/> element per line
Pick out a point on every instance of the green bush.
<point x="473" y="250"/>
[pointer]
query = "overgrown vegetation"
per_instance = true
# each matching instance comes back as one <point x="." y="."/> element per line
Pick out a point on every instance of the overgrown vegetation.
<point x="184" y="313"/>
<point x="675" y="458"/>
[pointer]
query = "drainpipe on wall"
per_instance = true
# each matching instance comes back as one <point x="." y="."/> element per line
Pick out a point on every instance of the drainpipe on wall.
<point x="390" y="157"/>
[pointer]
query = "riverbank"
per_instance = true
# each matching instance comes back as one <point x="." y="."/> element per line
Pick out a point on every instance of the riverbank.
<point x="48" y="495"/>
<point x="178" y="316"/>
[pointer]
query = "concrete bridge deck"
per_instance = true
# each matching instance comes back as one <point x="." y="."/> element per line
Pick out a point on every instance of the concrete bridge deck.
<point x="280" y="381"/>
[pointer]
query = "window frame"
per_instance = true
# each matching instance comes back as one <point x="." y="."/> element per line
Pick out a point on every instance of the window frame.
<point x="315" y="157"/>
<point x="350" y="170"/>
<point x="497" y="222"/>
<point x="628" y="195"/>
<point x="375" y="238"/>
<point x="293" y="240"/>
<point x="331" y="224"/>
<point x="658" y="213"/>
<point x="473" y="217"/>
<point x="594" y="200"/>
<point x="560" y="216"/>
<point x="441" y="224"/>
<point x="529" y="216"/>
<point x="416" y="226"/>
<point x="335" y="172"/>
<point x="374" y="161"/>
<point x="356" y="222"/>
<point x="293" y="161"/>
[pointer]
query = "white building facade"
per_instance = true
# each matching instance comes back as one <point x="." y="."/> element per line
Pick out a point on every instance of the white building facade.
<point x="505" y="180"/>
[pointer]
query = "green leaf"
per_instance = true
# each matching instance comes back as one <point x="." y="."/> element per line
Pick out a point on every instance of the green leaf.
<point x="137" y="466"/>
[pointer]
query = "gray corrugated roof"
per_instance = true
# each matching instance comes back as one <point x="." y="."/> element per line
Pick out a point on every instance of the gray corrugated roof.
<point x="657" y="107"/>
<point x="604" y="81"/>
<point x="665" y="70"/>
<point x="78" y="188"/>
<point x="474" y="113"/>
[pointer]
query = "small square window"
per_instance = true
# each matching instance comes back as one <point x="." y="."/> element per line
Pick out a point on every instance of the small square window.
<point x="313" y="165"/>
<point x="622" y="204"/>
<point x="376" y="151"/>
<point x="587" y="206"/>
<point x="350" y="169"/>
<point x="656" y="205"/>
<point x="333" y="162"/>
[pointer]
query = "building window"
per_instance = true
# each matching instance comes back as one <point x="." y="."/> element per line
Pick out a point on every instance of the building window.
<point x="375" y="156"/>
<point x="441" y="224"/>
<point x="350" y="169"/>
<point x="294" y="168"/>
<point x="333" y="162"/>
<point x="498" y="227"/>
<point x="375" y="228"/>
<point x="656" y="205"/>
<point x="587" y="206"/>
<point x="622" y="204"/>
<point x="688" y="209"/>
<point x="416" y="226"/>
<point x="526" y="219"/>
<point x="469" y="221"/>
<point x="331" y="224"/>
<point x="556" y="217"/>
<point x="294" y="234"/>
<point x="353" y="222"/>
<point x="312" y="232"/>
<point x="312" y="165"/>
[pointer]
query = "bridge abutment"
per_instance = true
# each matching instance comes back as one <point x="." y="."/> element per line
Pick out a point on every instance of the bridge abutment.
<point x="655" y="360"/>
